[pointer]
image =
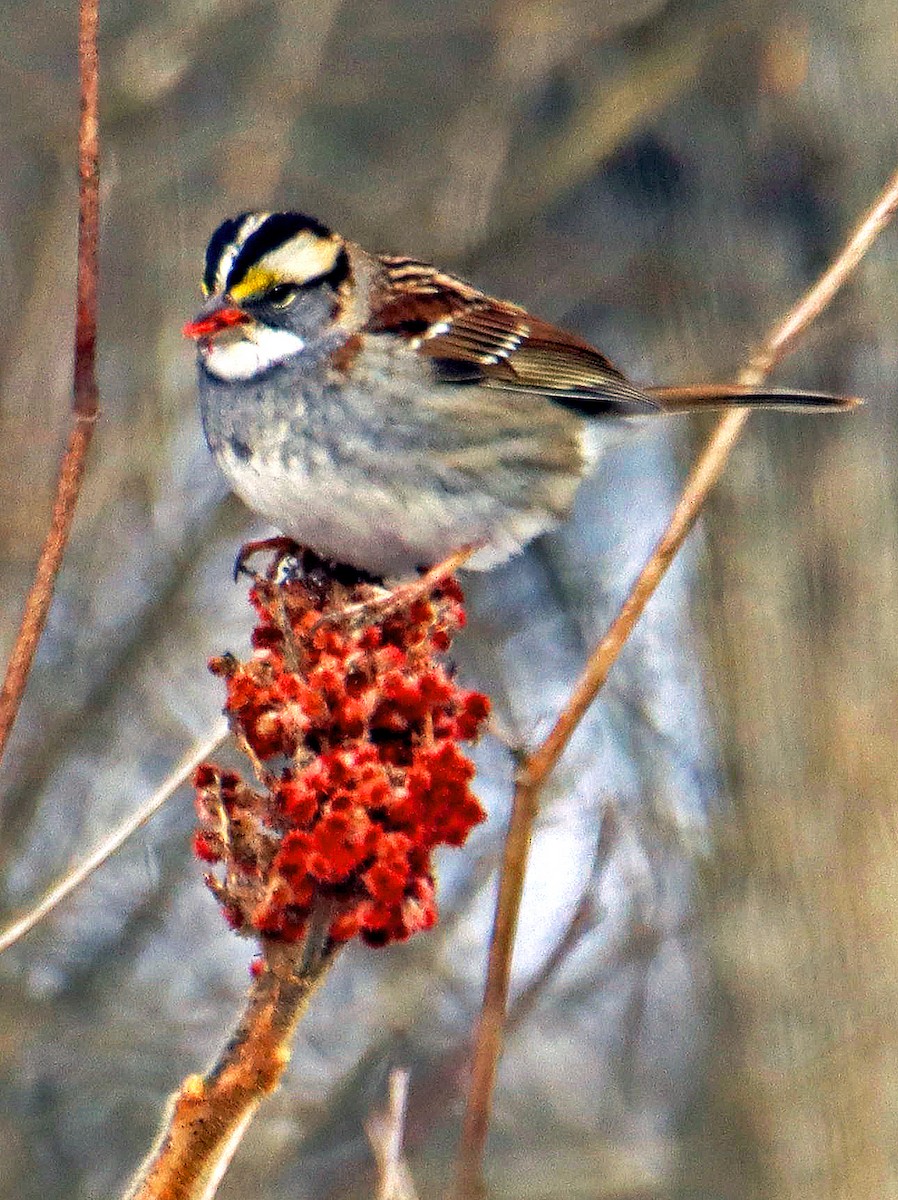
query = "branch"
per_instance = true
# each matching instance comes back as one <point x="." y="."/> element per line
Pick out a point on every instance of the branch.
<point x="209" y="1114"/>
<point x="539" y="764"/>
<point x="386" y="1131"/>
<point x="84" y="388"/>
<point x="180" y="774"/>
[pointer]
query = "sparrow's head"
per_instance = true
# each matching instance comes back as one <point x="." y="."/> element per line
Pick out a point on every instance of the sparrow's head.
<point x="272" y="283"/>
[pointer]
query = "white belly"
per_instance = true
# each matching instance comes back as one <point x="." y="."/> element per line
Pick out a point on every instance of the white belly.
<point x="388" y="532"/>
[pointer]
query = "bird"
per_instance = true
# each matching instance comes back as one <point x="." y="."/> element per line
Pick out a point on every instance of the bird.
<point x="387" y="415"/>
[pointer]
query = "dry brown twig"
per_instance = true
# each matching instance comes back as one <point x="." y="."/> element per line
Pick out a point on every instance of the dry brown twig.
<point x="386" y="1132"/>
<point x="209" y="1114"/>
<point x="85" y="401"/>
<point x="538" y="765"/>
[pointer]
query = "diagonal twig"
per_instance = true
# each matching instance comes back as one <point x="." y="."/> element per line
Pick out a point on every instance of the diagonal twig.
<point x="85" y="405"/>
<point x="540" y="763"/>
<point x="115" y="840"/>
<point x="386" y="1132"/>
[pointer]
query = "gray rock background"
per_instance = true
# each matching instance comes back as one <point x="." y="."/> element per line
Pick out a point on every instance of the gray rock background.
<point x="665" y="178"/>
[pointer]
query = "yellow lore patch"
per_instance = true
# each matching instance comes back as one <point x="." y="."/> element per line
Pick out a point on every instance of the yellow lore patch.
<point x="255" y="282"/>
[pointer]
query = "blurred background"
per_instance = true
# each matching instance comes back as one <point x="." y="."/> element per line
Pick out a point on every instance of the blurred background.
<point x="707" y="971"/>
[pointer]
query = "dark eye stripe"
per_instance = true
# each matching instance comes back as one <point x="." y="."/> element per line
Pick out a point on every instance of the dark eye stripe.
<point x="333" y="278"/>
<point x="338" y="273"/>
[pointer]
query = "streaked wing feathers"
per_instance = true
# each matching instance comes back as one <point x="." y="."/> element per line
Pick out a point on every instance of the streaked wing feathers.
<point x="469" y="336"/>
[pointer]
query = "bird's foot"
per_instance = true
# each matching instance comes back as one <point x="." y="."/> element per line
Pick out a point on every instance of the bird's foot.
<point x="292" y="561"/>
<point x="284" y="547"/>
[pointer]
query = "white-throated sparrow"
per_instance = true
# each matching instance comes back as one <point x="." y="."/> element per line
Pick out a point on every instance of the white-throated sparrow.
<point x="384" y="414"/>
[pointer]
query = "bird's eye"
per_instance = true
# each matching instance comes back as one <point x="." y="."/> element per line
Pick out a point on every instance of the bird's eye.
<point x="280" y="295"/>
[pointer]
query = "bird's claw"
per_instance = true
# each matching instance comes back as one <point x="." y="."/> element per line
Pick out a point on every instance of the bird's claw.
<point x="284" y="547"/>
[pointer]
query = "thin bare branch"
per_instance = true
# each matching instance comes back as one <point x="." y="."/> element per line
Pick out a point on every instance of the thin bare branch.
<point x="581" y="921"/>
<point x="538" y="765"/>
<point x="782" y="339"/>
<point x="180" y="774"/>
<point x="84" y="393"/>
<point x="386" y="1133"/>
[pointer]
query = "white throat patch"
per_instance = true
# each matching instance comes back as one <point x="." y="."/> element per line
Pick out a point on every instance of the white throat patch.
<point x="255" y="351"/>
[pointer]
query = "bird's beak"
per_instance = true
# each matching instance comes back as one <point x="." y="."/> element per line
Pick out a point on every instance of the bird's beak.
<point x="214" y="320"/>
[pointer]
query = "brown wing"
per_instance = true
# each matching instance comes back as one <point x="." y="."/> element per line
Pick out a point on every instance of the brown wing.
<point x="468" y="336"/>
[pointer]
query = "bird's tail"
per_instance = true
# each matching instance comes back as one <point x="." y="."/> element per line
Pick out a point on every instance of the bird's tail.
<point x="726" y="395"/>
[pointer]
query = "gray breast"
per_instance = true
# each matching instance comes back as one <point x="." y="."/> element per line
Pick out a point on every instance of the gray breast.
<point x="395" y="471"/>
